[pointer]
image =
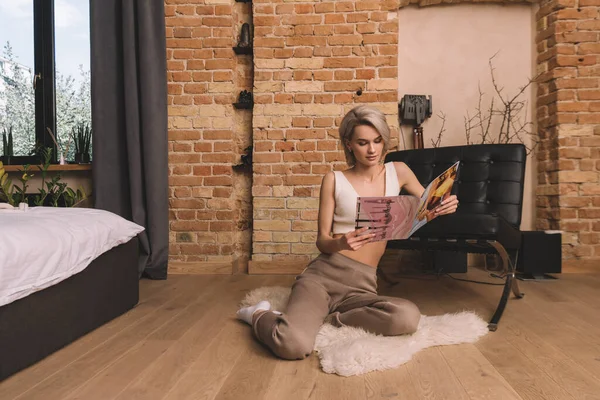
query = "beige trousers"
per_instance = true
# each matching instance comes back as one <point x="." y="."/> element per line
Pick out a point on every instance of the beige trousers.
<point x="341" y="290"/>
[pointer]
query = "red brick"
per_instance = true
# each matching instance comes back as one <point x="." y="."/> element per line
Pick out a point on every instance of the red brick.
<point x="323" y="98"/>
<point x="304" y="8"/>
<point x="181" y="76"/>
<point x="174" y="88"/>
<point x="303" y="98"/>
<point x="335" y="19"/>
<point x="182" y="32"/>
<point x="264" y="9"/>
<point x="323" y="75"/>
<point x="357" y="17"/>
<point x="205" y="10"/>
<point x="284" y="98"/>
<point x="334" y="62"/>
<point x="301" y="122"/>
<point x="323" y="30"/>
<point x="366" y="73"/>
<point x="303" y="52"/>
<point x="284" y="8"/>
<point x="269" y="42"/>
<point x="302" y="75"/>
<point x="185" y="43"/>
<point x="283" y="53"/>
<point x="196" y="88"/>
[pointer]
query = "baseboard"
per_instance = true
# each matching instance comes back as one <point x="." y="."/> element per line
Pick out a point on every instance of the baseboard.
<point x="276" y="267"/>
<point x="201" y="268"/>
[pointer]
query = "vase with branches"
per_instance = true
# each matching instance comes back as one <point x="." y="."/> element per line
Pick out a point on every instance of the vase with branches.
<point x="513" y="125"/>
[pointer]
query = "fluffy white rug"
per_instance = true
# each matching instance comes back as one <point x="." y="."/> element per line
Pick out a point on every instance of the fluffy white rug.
<point x="350" y="351"/>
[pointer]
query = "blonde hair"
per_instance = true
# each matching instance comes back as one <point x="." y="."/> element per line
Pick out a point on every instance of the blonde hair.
<point x="363" y="115"/>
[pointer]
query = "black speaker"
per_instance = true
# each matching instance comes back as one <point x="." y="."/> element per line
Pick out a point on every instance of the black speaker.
<point x="540" y="254"/>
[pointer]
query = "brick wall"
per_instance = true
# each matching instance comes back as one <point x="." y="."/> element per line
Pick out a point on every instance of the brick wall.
<point x="313" y="61"/>
<point x="568" y="114"/>
<point x="210" y="203"/>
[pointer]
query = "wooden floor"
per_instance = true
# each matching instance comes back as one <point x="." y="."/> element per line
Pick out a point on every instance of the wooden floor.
<point x="182" y="342"/>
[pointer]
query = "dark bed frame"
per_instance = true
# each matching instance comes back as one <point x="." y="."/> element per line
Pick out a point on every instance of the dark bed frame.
<point x="35" y="326"/>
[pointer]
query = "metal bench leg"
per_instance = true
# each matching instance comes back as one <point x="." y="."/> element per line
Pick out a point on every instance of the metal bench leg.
<point x="510" y="283"/>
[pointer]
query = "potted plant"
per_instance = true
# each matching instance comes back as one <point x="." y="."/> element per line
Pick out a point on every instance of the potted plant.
<point x="82" y="138"/>
<point x="7" y="146"/>
<point x="52" y="193"/>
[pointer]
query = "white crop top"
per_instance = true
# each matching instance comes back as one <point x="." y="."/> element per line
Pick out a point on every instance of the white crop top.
<point x="344" y="215"/>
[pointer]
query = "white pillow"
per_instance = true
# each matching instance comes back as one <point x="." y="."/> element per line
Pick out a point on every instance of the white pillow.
<point x="41" y="246"/>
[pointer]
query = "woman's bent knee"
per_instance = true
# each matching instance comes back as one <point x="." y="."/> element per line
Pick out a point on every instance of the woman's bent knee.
<point x="405" y="320"/>
<point x="292" y="351"/>
<point x="293" y="347"/>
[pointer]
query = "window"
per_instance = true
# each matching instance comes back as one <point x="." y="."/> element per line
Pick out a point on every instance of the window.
<point x="44" y="75"/>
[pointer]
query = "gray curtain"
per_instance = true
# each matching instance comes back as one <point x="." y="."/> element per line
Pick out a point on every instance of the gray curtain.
<point x="129" y="111"/>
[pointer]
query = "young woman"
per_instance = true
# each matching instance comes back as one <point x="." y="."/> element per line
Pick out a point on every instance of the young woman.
<point x="340" y="284"/>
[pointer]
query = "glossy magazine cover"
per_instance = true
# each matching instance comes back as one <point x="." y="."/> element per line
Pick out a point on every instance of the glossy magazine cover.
<point x="398" y="217"/>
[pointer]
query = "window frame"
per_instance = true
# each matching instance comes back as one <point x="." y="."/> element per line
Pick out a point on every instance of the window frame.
<point x="45" y="89"/>
<point x="44" y="76"/>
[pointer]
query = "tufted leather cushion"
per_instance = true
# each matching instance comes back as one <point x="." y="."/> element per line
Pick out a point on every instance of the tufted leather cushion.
<point x="490" y="184"/>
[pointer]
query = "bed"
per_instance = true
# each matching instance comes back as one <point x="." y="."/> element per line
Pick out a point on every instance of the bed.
<point x="63" y="273"/>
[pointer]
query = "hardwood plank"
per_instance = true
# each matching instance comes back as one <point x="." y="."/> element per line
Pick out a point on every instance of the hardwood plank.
<point x="390" y="384"/>
<point x="526" y="378"/>
<point x="300" y="376"/>
<point x="208" y="320"/>
<point x="432" y="377"/>
<point x="332" y="386"/>
<point x="109" y="382"/>
<point x="151" y="287"/>
<point x="520" y="364"/>
<point x="69" y="378"/>
<point x="205" y="377"/>
<point x="558" y="365"/>
<point x="520" y="372"/>
<point x="16" y="384"/>
<point x="477" y="376"/>
<point x="547" y="347"/>
<point x="168" y="335"/>
<point x="575" y="336"/>
<point x="200" y="268"/>
<point x="580" y="289"/>
<point x="250" y="376"/>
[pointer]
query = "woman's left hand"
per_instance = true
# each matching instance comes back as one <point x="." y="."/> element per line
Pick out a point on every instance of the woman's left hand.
<point x="448" y="206"/>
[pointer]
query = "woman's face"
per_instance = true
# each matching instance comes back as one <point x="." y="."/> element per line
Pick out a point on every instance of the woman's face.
<point x="366" y="145"/>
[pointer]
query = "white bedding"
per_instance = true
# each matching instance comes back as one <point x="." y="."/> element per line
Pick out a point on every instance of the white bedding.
<point x="42" y="246"/>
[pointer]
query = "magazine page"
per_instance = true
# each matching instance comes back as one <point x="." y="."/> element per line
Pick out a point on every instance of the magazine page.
<point x="398" y="217"/>
<point x="437" y="191"/>
<point x="389" y="217"/>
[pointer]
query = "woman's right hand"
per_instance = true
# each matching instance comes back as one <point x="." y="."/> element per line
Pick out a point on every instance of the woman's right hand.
<point x="356" y="239"/>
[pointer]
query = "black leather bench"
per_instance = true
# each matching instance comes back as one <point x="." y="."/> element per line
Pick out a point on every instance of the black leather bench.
<point x="490" y="192"/>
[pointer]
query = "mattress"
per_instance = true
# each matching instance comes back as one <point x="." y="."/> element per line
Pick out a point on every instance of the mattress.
<point x="41" y="246"/>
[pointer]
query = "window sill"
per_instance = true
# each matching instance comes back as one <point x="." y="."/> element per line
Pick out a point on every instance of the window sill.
<point x="53" y="167"/>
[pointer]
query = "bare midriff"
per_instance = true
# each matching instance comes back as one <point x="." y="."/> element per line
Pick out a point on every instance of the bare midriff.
<point x="369" y="254"/>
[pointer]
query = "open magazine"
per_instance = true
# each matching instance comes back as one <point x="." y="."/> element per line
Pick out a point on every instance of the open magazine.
<point x="398" y="217"/>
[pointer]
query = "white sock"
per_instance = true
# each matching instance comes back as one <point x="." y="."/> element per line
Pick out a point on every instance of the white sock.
<point x="245" y="313"/>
